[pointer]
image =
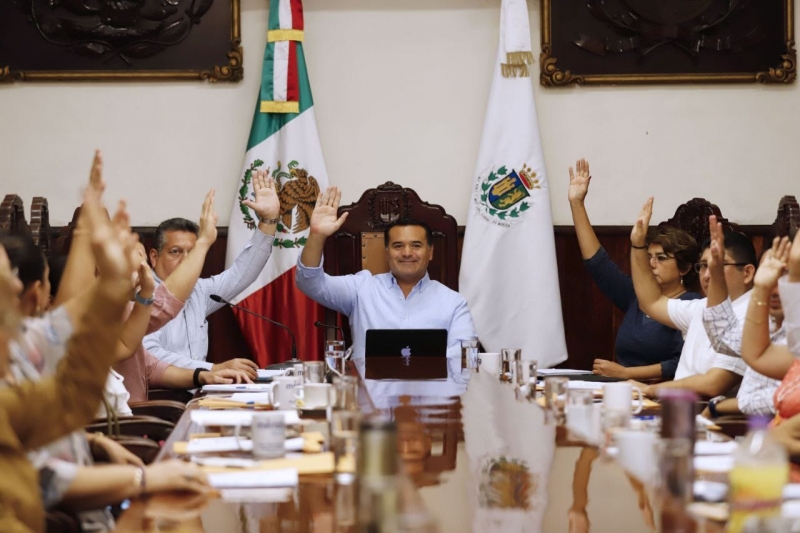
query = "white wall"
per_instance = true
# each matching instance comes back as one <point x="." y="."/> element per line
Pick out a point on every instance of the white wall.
<point x="400" y="88"/>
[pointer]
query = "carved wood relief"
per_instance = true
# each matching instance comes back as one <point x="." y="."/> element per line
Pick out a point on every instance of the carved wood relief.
<point x="120" y="40"/>
<point x="667" y="41"/>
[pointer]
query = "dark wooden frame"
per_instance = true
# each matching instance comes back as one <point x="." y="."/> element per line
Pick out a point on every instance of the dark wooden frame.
<point x="231" y="71"/>
<point x="780" y="69"/>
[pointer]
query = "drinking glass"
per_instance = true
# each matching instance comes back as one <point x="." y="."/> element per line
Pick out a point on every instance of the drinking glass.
<point x="580" y="414"/>
<point x="314" y="371"/>
<point x="469" y="353"/>
<point x="555" y="398"/>
<point x="533" y="372"/>
<point x="336" y="361"/>
<point x="346" y="393"/>
<point x="507" y="358"/>
<point x="344" y="442"/>
<point x="334" y="346"/>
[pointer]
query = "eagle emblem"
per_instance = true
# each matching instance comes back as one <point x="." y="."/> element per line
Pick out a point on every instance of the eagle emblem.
<point x="297" y="192"/>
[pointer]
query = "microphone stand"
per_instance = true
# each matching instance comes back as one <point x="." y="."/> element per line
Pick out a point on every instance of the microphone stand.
<point x="276" y="366"/>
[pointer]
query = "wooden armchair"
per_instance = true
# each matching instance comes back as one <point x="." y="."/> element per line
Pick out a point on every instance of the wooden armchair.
<point x="174" y="395"/>
<point x="40" y="224"/>
<point x="168" y="410"/>
<point x="692" y="217"/>
<point x="148" y="427"/>
<point x="359" y="245"/>
<point x="787" y="220"/>
<point x="12" y="215"/>
<point x="143" y="448"/>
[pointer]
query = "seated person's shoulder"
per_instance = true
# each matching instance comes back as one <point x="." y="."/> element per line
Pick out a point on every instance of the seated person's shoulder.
<point x="690" y="295"/>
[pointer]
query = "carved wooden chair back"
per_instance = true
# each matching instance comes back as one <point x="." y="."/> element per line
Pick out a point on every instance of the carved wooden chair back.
<point x="40" y="224"/>
<point x="692" y="217"/>
<point x="64" y="239"/>
<point x="787" y="221"/>
<point x="12" y="215"/>
<point x="359" y="243"/>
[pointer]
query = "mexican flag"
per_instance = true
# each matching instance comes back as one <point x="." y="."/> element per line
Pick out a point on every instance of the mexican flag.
<point x="284" y="140"/>
<point x="508" y="265"/>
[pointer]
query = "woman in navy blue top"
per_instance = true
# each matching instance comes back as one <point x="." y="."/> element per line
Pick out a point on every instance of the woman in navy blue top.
<point x="644" y="348"/>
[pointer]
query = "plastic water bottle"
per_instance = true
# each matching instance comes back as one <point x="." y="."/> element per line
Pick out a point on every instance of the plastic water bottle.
<point x="760" y="471"/>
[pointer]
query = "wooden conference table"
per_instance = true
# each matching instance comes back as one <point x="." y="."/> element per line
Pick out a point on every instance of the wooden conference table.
<point x="475" y="458"/>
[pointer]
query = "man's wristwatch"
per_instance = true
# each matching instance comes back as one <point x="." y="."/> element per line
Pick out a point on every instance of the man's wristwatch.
<point x="142" y="300"/>
<point x="712" y="406"/>
<point x="268" y="220"/>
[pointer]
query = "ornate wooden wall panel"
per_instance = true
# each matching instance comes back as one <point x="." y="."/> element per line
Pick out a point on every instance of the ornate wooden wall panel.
<point x="113" y="40"/>
<point x="667" y="41"/>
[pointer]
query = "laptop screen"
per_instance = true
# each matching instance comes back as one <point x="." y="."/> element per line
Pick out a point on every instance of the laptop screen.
<point x="406" y="343"/>
<point x="410" y="354"/>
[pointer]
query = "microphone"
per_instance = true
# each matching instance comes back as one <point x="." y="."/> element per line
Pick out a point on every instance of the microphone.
<point x="219" y="299"/>
<point x="328" y="326"/>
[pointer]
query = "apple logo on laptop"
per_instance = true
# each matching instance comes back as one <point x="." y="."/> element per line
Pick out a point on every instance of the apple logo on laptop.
<point x="406" y="353"/>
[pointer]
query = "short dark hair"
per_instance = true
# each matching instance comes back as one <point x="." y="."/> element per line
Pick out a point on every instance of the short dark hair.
<point x="680" y="244"/>
<point x="739" y="246"/>
<point x="57" y="264"/>
<point x="25" y="256"/>
<point x="400" y="222"/>
<point x="172" y="224"/>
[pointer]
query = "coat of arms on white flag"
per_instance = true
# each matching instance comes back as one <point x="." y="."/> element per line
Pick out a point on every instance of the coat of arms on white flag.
<point x="508" y="266"/>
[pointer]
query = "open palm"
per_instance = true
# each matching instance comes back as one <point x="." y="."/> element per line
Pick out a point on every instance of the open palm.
<point x="265" y="203"/>
<point x="324" y="220"/>
<point x="579" y="181"/>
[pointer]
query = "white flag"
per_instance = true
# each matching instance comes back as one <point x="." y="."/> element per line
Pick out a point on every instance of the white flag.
<point x="508" y="266"/>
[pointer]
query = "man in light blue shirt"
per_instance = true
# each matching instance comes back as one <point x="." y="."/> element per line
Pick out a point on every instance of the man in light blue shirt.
<point x="403" y="298"/>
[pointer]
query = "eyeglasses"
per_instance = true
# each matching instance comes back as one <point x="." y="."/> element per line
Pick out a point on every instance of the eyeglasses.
<point x="701" y="267"/>
<point x="660" y="258"/>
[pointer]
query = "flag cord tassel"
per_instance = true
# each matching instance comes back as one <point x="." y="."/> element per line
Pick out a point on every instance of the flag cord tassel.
<point x="519" y="58"/>
<point x="514" y="71"/>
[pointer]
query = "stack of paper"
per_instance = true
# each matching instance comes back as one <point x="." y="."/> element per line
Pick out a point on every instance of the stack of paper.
<point x="254" y="478"/>
<point x="238" y="387"/>
<point x="234" y="418"/>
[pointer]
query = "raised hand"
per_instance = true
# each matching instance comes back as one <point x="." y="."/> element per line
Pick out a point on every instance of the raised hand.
<point x="773" y="264"/>
<point x="96" y="181"/>
<point x="208" y="220"/>
<point x="114" y="248"/>
<point x="579" y="181"/>
<point x="323" y="219"/>
<point x="716" y="261"/>
<point x="267" y="205"/>
<point x="639" y="231"/>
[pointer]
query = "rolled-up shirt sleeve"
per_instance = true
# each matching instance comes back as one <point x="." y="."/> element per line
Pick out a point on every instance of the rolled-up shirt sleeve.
<point x="165" y="307"/>
<point x="723" y="329"/>
<point x="790" y="300"/>
<point x="240" y="275"/>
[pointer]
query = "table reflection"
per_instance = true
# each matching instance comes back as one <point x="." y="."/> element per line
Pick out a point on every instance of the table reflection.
<point x="476" y="457"/>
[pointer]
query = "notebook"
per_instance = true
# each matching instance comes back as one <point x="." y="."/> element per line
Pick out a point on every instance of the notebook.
<point x="407" y="354"/>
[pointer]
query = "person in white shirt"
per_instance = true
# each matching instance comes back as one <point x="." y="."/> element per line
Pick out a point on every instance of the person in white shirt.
<point x="700" y="369"/>
<point x="725" y="329"/>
